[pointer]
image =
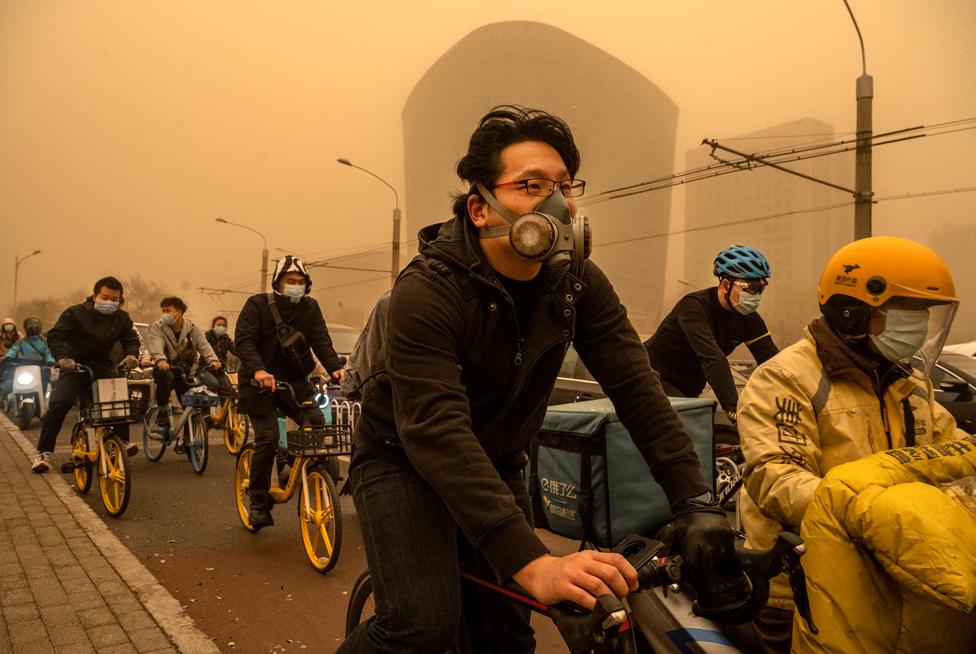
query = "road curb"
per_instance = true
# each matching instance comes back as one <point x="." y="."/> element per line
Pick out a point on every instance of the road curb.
<point x="164" y="608"/>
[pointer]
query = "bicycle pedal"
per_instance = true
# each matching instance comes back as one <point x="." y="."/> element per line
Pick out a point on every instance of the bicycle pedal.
<point x="67" y="467"/>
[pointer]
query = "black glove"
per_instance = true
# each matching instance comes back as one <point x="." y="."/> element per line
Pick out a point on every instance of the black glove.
<point x="706" y="540"/>
<point x="703" y="533"/>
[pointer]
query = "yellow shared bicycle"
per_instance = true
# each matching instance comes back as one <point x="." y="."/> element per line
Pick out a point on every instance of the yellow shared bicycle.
<point x="235" y="425"/>
<point x="96" y="450"/>
<point x="313" y="448"/>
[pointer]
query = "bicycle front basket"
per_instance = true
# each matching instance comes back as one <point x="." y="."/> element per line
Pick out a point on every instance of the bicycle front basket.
<point x="202" y="400"/>
<point x="329" y="440"/>
<point x="104" y="413"/>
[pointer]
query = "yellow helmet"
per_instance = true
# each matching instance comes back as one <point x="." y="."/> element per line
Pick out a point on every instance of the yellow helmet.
<point x="874" y="270"/>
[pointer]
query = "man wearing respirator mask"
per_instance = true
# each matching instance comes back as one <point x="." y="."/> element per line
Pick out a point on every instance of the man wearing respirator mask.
<point x="692" y="344"/>
<point x="477" y="328"/>
<point x="846" y="390"/>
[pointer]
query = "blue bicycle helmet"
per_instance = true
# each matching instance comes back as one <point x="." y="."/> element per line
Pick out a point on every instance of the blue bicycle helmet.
<point x="742" y="262"/>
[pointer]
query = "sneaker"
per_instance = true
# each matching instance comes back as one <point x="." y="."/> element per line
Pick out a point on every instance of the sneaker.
<point x="162" y="417"/>
<point x="260" y="517"/>
<point x="42" y="462"/>
<point x="131" y="448"/>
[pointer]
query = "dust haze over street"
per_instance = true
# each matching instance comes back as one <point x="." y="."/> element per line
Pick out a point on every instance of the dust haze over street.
<point x="126" y="129"/>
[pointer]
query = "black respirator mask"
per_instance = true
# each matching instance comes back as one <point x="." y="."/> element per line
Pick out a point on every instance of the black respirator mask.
<point x="548" y="233"/>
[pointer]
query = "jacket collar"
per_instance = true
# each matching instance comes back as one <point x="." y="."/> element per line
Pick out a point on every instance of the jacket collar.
<point x="455" y="243"/>
<point x="840" y="361"/>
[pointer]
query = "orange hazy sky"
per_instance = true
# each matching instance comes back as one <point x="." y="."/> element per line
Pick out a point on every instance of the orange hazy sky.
<point x="127" y="127"/>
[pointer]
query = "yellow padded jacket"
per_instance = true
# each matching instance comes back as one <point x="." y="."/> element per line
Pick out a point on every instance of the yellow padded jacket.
<point x="891" y="554"/>
<point x="816" y="405"/>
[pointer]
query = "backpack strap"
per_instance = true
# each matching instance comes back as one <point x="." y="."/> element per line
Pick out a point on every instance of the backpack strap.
<point x="274" y="310"/>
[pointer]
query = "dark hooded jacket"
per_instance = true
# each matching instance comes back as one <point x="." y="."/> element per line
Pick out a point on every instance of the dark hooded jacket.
<point x="86" y="335"/>
<point x="259" y="349"/>
<point x="466" y="385"/>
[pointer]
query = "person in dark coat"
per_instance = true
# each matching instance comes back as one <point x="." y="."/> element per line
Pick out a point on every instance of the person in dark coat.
<point x="220" y="340"/>
<point x="692" y="344"/>
<point x="265" y="361"/>
<point x="85" y="334"/>
<point x="477" y="328"/>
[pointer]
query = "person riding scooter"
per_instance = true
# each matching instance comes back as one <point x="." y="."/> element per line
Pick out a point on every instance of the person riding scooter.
<point x="32" y="347"/>
<point x="8" y="335"/>
<point x="26" y="372"/>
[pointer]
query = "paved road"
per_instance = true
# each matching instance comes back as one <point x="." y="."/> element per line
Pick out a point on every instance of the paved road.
<point x="251" y="593"/>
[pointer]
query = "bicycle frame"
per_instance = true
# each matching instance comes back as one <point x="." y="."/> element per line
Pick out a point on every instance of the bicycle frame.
<point x="283" y="494"/>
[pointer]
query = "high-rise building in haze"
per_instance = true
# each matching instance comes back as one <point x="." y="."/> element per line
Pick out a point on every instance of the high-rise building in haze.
<point x="624" y="126"/>
<point x="771" y="210"/>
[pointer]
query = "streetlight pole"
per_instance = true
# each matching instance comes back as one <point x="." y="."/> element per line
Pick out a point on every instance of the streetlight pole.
<point x="264" y="251"/>
<point x="395" y="262"/>
<point x="862" y="161"/>
<point x="17" y="262"/>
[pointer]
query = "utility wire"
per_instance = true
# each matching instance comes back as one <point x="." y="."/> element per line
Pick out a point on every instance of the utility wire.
<point x="743" y="221"/>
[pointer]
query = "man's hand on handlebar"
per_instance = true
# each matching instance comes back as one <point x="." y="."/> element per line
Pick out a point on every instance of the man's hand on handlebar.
<point x="130" y="362"/>
<point x="337" y="374"/>
<point x="580" y="577"/>
<point x="704" y="535"/>
<point x="215" y="365"/>
<point x="264" y="379"/>
<point x="163" y="365"/>
<point x="66" y="365"/>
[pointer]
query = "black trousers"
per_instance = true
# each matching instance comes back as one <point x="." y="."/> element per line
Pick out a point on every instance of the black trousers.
<point x="266" y="440"/>
<point x="166" y="382"/>
<point x="69" y="388"/>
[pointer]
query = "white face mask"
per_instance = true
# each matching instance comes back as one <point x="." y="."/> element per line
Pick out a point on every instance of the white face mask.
<point x="748" y="302"/>
<point x="904" y="333"/>
<point x="106" y="306"/>
<point x="220" y="330"/>
<point x="295" y="291"/>
<point x="169" y="319"/>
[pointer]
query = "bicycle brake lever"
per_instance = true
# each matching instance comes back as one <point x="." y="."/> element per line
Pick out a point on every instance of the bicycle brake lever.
<point x="798" y="582"/>
<point x="599" y="631"/>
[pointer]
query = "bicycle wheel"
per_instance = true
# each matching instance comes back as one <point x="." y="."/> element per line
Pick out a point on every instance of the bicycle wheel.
<point x="236" y="425"/>
<point x="197" y="443"/>
<point x="362" y="606"/>
<point x="153" y="442"/>
<point x="320" y="519"/>
<point x="82" y="466"/>
<point x="115" y="482"/>
<point x="242" y="477"/>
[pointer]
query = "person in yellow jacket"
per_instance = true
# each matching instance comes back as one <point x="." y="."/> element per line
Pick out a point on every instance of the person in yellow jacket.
<point x="846" y="390"/>
<point x="891" y="554"/>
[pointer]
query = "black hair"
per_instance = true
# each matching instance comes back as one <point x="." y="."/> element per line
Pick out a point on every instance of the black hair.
<point x="111" y="283"/>
<point x="216" y="318"/>
<point x="174" y="302"/>
<point x="501" y="127"/>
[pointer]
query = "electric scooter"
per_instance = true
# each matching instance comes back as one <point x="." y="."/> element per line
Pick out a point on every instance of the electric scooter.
<point x="28" y="396"/>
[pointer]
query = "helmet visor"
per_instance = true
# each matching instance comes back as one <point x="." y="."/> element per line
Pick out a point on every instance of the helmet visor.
<point x="940" y="321"/>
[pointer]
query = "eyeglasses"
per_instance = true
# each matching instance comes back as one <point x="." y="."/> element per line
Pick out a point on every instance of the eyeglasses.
<point x="756" y="288"/>
<point x="542" y="187"/>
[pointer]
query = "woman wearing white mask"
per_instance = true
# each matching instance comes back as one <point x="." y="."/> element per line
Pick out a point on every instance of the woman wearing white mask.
<point x="220" y="340"/>
<point x="692" y="344"/>
<point x="846" y="390"/>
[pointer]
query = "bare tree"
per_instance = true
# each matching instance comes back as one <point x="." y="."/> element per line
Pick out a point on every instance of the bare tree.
<point x="142" y="298"/>
<point x="48" y="309"/>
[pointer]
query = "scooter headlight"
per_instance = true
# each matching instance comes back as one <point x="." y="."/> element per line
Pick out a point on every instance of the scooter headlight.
<point x="25" y="379"/>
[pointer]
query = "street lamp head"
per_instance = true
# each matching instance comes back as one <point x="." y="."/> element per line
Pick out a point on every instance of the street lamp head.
<point x="344" y="162"/>
<point x="35" y="252"/>
<point x="220" y="220"/>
